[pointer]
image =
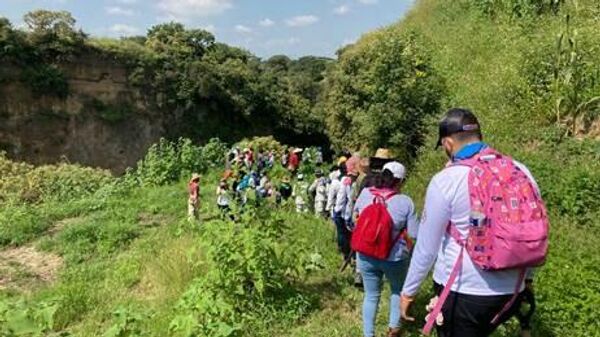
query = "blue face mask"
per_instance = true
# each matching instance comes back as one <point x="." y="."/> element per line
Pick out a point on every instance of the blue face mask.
<point x="469" y="151"/>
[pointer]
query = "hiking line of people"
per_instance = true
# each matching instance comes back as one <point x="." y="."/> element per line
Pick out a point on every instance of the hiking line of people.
<point x="247" y="173"/>
<point x="483" y="229"/>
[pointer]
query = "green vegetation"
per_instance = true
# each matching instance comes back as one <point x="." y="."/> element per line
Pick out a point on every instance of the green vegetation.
<point x="132" y="266"/>
<point x="380" y="94"/>
<point x="516" y="72"/>
<point x="210" y="88"/>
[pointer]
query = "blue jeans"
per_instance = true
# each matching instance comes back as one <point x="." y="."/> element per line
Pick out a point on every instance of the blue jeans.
<point x="372" y="271"/>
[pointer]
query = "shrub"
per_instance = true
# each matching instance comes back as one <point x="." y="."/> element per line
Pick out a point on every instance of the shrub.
<point x="213" y="153"/>
<point x="65" y="182"/>
<point x="167" y="161"/>
<point x="380" y="93"/>
<point x="249" y="280"/>
<point x="44" y="79"/>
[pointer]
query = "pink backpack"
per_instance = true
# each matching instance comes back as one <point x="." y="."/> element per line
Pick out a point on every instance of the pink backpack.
<point x="509" y="223"/>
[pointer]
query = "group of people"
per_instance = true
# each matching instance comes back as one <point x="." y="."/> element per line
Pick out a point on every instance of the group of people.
<point x="249" y="173"/>
<point x="483" y="229"/>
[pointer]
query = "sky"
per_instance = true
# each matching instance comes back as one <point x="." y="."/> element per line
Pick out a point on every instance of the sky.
<point x="265" y="27"/>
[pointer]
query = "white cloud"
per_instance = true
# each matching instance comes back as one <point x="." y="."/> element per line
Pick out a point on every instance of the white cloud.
<point x="185" y="9"/>
<point x="342" y="10"/>
<point x="266" y="22"/>
<point x="302" y="20"/>
<point x="116" y="10"/>
<point x="123" y="29"/>
<point x="242" y="29"/>
<point x="209" y="28"/>
<point x="127" y="2"/>
<point x="368" y="2"/>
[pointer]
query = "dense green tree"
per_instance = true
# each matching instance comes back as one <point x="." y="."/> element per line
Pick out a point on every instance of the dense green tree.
<point x="379" y="94"/>
<point x="53" y="32"/>
<point x="173" y="39"/>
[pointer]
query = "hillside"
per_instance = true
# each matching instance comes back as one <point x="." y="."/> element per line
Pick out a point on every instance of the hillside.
<point x="115" y="256"/>
<point x="102" y="102"/>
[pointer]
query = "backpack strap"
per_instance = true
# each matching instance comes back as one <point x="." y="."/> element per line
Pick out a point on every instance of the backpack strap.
<point x="510" y="303"/>
<point x="447" y="288"/>
<point x="444" y="295"/>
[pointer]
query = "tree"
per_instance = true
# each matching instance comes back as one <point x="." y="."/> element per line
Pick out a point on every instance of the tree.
<point x="53" y="33"/>
<point x="174" y="40"/>
<point x="379" y="94"/>
<point x="44" y="24"/>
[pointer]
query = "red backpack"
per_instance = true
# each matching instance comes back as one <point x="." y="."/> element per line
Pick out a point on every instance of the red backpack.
<point x="372" y="235"/>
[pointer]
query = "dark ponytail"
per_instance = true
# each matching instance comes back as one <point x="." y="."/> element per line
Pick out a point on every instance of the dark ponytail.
<point x="386" y="180"/>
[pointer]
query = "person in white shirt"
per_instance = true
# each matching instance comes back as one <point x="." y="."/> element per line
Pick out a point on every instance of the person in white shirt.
<point x="319" y="189"/>
<point x="332" y="190"/>
<point x="477" y="295"/>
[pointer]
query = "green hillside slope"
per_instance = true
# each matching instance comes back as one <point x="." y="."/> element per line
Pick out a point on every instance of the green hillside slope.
<point x="118" y="258"/>
<point x="503" y="68"/>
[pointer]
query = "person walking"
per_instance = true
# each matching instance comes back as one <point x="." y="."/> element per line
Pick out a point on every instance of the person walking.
<point x="478" y="290"/>
<point x="223" y="197"/>
<point x="342" y="212"/>
<point x="194" y="197"/>
<point x="319" y="189"/>
<point x="392" y="260"/>
<point x="300" y="194"/>
<point x="333" y="188"/>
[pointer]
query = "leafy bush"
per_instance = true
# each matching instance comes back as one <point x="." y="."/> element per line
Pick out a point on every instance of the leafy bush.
<point x="380" y="93"/>
<point x="44" y="79"/>
<point x="213" y="154"/>
<point x="21" y="320"/>
<point x="65" y="182"/>
<point x="167" y="161"/>
<point x="261" y="143"/>
<point x="249" y="281"/>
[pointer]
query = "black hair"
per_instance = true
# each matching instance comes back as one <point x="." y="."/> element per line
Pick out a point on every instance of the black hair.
<point x="386" y="179"/>
<point x="343" y="169"/>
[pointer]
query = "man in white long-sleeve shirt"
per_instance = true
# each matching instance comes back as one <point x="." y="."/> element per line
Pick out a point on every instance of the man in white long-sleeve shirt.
<point x="477" y="295"/>
<point x="332" y="190"/>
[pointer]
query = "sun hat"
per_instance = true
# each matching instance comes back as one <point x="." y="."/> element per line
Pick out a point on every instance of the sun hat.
<point x="382" y="153"/>
<point x="195" y="176"/>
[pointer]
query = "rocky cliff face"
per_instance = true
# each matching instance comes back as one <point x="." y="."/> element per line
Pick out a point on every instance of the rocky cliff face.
<point x="103" y="122"/>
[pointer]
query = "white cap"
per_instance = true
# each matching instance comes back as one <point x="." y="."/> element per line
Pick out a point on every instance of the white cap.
<point x="398" y="170"/>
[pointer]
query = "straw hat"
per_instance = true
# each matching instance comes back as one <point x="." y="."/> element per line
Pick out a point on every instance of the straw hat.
<point x="298" y="150"/>
<point x="383" y="154"/>
<point x="195" y="176"/>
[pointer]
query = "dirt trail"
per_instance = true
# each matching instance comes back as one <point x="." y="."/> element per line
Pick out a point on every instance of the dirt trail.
<point x="26" y="266"/>
<point x="21" y="267"/>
